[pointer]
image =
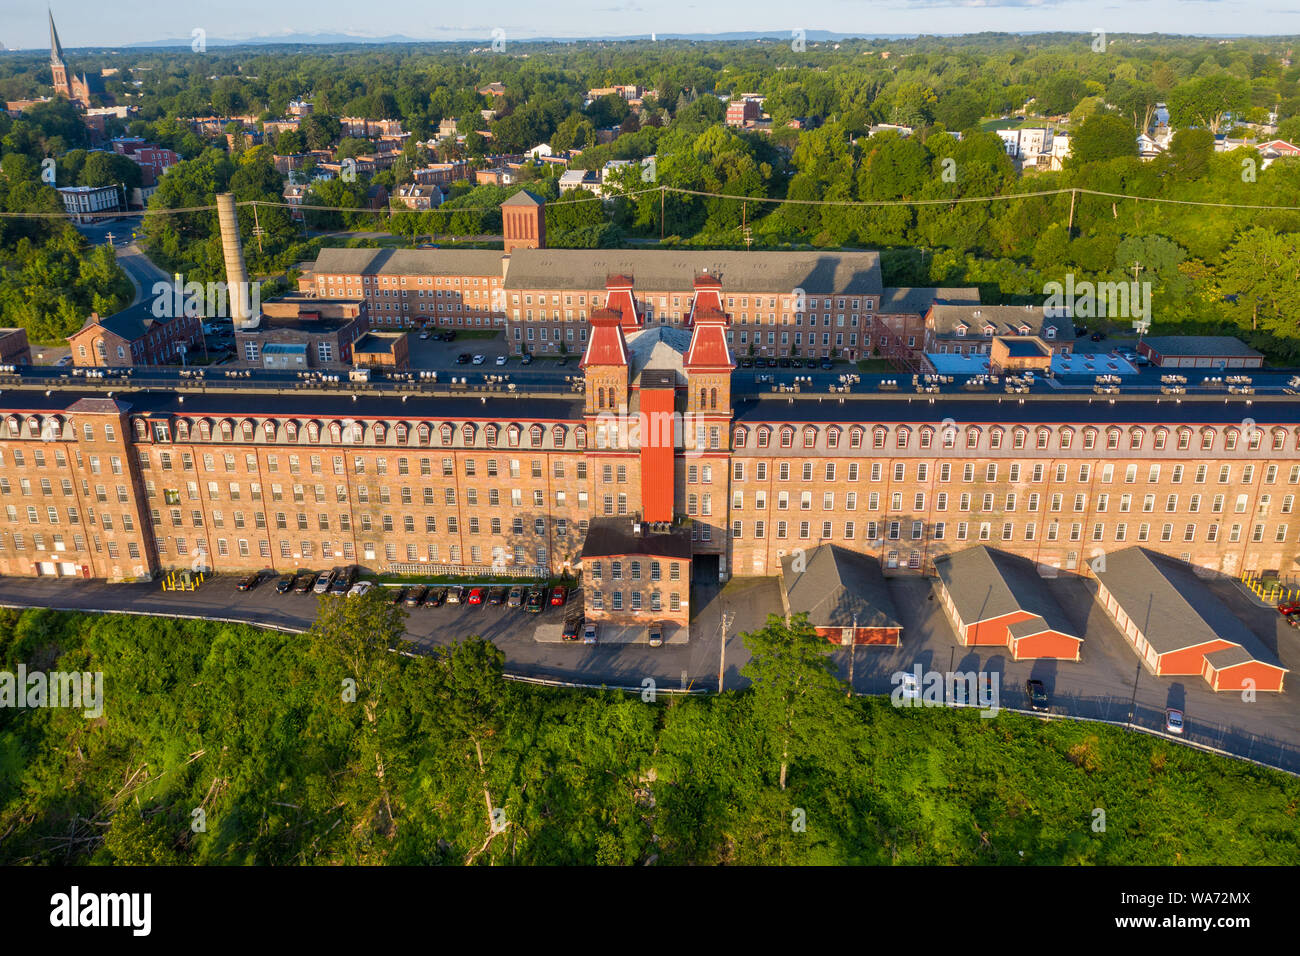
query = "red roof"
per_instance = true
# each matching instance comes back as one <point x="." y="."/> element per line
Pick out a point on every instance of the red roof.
<point x="606" y="345"/>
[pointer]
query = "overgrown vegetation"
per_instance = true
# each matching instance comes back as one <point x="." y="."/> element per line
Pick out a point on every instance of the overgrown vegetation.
<point x="291" y="764"/>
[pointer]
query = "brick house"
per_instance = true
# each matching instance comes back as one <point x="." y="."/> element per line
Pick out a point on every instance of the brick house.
<point x="134" y="336"/>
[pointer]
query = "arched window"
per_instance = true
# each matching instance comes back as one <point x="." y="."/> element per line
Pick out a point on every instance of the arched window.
<point x="557" y="436"/>
<point x="227" y="430"/>
<point x="380" y="432"/>
<point x="833" y="437"/>
<point x="446" y="432"/>
<point x="713" y="398"/>
<point x="313" y="432"/>
<point x="422" y="433"/>
<point x="268" y="430"/>
<point x="809" y="436"/>
<point x="738" y="437"/>
<point x="401" y="432"/>
<point x="182" y="429"/>
<point x="141" y="429"/>
<point x="902" y="436"/>
<point x="467" y="433"/>
<point x="855" y="436"/>
<point x="205" y="429"/>
<point x="336" y="433"/>
<point x="787" y="437"/>
<point x="580" y="436"/>
<point x="535" y="436"/>
<point x="291" y="431"/>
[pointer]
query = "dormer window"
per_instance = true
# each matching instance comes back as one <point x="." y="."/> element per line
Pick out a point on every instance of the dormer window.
<point x="1049" y="332"/>
<point x="961" y="330"/>
<point x="988" y="330"/>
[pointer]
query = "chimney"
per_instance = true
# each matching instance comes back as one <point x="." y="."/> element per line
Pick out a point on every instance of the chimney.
<point x="238" y="291"/>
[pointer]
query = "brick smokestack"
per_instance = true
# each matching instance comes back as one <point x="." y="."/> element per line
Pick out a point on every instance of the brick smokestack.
<point x="236" y="273"/>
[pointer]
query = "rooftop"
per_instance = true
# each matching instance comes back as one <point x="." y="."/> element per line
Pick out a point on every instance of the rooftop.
<point x="1199" y="345"/>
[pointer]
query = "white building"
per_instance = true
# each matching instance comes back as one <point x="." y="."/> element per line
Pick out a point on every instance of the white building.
<point x="83" y="202"/>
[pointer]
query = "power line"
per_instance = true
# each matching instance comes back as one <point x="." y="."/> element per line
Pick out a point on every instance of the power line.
<point x="779" y="201"/>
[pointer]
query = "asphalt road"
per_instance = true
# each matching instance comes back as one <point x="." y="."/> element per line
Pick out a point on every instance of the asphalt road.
<point x="1100" y="686"/>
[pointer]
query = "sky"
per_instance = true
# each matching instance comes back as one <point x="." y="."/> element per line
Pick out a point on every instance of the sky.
<point x="84" y="23"/>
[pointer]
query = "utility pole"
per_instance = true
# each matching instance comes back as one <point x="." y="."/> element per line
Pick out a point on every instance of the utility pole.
<point x="853" y="654"/>
<point x="661" y="214"/>
<point x="257" y="228"/>
<point x="727" y="618"/>
<point x="1069" y="230"/>
<point x="1132" y="706"/>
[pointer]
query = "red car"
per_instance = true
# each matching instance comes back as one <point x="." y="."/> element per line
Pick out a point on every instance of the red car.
<point x="558" y="596"/>
<point x="475" y="596"/>
<point x="1287" y="608"/>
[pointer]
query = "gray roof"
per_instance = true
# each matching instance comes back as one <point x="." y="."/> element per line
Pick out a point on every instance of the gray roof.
<point x="985" y="583"/>
<point x="1172" y="607"/>
<point x="674" y="270"/>
<point x="1005" y="319"/>
<point x="1199" y="345"/>
<point x="658" y="347"/>
<point x="837" y="587"/>
<point x="132" y="323"/>
<point x="524" y="198"/>
<point x="919" y="300"/>
<point x="449" y="262"/>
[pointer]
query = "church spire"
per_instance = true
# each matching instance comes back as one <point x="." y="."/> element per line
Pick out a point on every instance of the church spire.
<point x="56" y="48"/>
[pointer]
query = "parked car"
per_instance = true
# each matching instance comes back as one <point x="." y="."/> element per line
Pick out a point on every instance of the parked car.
<point x="564" y="360"/>
<point x="323" y="582"/>
<point x="1037" y="695"/>
<point x="1293" y="620"/>
<point x="249" y="581"/>
<point x="437" y="597"/>
<point x="424" y="333"/>
<point x="783" y="362"/>
<point x="589" y="633"/>
<point x="501" y="360"/>
<point x="475" y="596"/>
<point x="285" y="584"/>
<point x="535" y="600"/>
<point x="415" y="597"/>
<point x="1098" y="336"/>
<point x="827" y="365"/>
<point x="344" y="578"/>
<point x="559" y="594"/>
<point x="798" y="363"/>
<point x="496" y="596"/>
<point x="516" y="597"/>
<point x="526" y="359"/>
<point x="478" y="359"/>
<point x="656" y="635"/>
<point x="747" y="363"/>
<point x="911" y="688"/>
<point x="771" y="363"/>
<point x="398" y="595"/>
<point x="462" y="358"/>
<point x="456" y="595"/>
<point x="303" y="582"/>
<point x="570" y="629"/>
<point x="1287" y="608"/>
<point x="1174" y="721"/>
<point x="360" y="589"/>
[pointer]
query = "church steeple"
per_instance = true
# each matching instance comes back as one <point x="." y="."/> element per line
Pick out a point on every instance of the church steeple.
<point x="58" y="66"/>
<point x="56" y="48"/>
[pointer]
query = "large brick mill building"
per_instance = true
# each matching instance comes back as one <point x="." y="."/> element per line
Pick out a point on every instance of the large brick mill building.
<point x="660" y="462"/>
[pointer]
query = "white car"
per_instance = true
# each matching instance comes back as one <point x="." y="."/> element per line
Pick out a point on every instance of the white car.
<point x="911" y="688"/>
<point x="361" y="588"/>
<point x="478" y="360"/>
<point x="501" y="360"/>
<point x="589" y="633"/>
<point x="424" y="333"/>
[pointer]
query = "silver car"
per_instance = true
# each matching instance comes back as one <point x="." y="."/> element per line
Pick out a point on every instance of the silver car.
<point x="589" y="633"/>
